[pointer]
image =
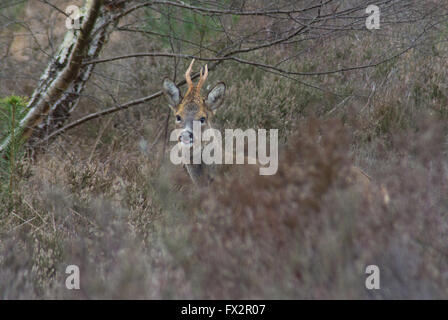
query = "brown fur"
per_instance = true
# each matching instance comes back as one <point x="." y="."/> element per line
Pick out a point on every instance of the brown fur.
<point x="194" y="107"/>
<point x="193" y="99"/>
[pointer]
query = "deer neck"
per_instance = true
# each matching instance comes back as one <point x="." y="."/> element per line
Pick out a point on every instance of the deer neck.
<point x="200" y="173"/>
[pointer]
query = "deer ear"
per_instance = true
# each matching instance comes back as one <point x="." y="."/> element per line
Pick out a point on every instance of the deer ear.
<point x="216" y="96"/>
<point x="172" y="93"/>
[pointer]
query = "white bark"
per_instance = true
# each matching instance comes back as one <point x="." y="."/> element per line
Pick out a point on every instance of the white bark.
<point x="59" y="88"/>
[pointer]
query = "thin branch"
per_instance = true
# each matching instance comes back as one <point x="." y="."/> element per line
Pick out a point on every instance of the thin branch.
<point x="114" y="109"/>
<point x="253" y="63"/>
<point x="54" y="7"/>
<point x="183" y="5"/>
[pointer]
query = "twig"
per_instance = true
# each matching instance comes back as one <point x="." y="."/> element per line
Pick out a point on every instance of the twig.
<point x="113" y="109"/>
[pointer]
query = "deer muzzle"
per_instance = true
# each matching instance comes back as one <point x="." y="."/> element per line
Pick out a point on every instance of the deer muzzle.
<point x="186" y="137"/>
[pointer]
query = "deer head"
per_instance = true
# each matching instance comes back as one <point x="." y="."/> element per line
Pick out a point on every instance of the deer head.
<point x="192" y="107"/>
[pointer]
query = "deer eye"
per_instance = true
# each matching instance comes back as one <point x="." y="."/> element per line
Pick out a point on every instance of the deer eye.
<point x="202" y="120"/>
<point x="178" y="118"/>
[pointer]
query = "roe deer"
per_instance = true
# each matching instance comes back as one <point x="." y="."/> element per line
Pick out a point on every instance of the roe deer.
<point x="193" y="107"/>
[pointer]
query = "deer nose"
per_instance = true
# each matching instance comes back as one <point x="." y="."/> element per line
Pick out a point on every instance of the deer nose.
<point x="186" y="137"/>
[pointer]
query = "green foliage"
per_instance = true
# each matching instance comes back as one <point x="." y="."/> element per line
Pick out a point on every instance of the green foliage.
<point x="9" y="106"/>
<point x="179" y="23"/>
<point x="11" y="113"/>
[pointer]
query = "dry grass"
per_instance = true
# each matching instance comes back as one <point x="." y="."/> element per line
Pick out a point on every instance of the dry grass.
<point x="137" y="227"/>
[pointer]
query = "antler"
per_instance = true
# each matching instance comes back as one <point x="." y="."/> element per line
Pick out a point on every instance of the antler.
<point x="188" y="76"/>
<point x="202" y="79"/>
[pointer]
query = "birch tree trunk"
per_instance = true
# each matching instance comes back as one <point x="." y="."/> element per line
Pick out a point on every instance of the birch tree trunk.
<point x="58" y="91"/>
